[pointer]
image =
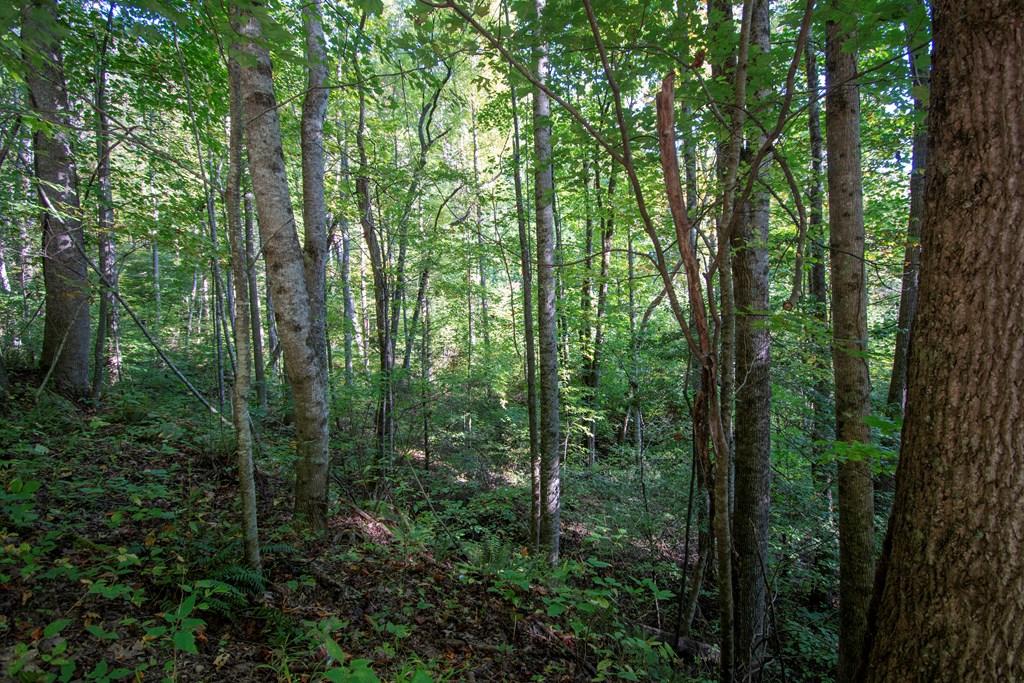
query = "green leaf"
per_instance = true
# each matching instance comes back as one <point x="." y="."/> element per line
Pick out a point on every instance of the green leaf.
<point x="333" y="649"/>
<point x="55" y="628"/>
<point x="361" y="672"/>
<point x="358" y="671"/>
<point x="556" y="608"/>
<point x="371" y="7"/>
<point x="421" y="676"/>
<point x="100" y="633"/>
<point x="185" y="641"/>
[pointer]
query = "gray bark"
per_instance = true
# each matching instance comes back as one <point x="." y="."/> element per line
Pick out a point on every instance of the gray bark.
<point x="314" y="212"/>
<point x="243" y="368"/>
<point x="529" y="336"/>
<point x="301" y="346"/>
<point x="550" y="475"/>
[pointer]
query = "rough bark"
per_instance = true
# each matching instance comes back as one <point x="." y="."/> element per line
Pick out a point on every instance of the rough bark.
<point x="952" y="602"/>
<point x="314" y="212"/>
<point x="286" y="277"/>
<point x="550" y="475"/>
<point x="66" y="330"/>
<point x="849" y="348"/>
<point x="752" y="457"/>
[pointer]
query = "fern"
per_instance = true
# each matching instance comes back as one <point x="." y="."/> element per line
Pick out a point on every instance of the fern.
<point x="245" y="579"/>
<point x="490" y="555"/>
<point x="278" y="549"/>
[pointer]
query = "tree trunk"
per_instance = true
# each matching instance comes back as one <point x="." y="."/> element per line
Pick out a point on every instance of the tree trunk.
<point x="849" y="349"/>
<point x="385" y="399"/>
<point x="951" y="591"/>
<point x="426" y="369"/>
<point x="243" y="369"/>
<point x="592" y="332"/>
<point x="912" y="252"/>
<point x="816" y="228"/>
<point x="526" y="267"/>
<point x="314" y="212"/>
<point x="66" y="330"/>
<point x="481" y="261"/>
<point x="550" y="475"/>
<point x="311" y="474"/>
<point x="351" y="326"/>
<point x="727" y="155"/>
<point x="302" y="348"/>
<point x="752" y="459"/>
<point x="107" y="354"/>
<point x="256" y="321"/>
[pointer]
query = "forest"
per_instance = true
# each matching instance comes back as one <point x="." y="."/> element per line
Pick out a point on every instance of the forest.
<point x="506" y="340"/>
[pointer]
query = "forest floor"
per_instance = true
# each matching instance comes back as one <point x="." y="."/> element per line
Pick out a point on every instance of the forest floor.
<point x="120" y="559"/>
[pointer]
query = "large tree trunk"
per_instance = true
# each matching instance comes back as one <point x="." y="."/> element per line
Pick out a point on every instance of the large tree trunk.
<point x="912" y="252"/>
<point x="302" y="347"/>
<point x="752" y="458"/>
<point x="66" y="331"/>
<point x="952" y="592"/>
<point x="849" y="349"/>
<point x="550" y="475"/>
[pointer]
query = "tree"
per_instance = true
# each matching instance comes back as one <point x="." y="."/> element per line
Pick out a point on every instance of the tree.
<point x="550" y="476"/>
<point x="66" y="334"/>
<point x="917" y="56"/>
<point x="107" y="355"/>
<point x="530" y="360"/>
<point x="240" y="266"/>
<point x="949" y="587"/>
<point x="849" y="339"/>
<point x="752" y="459"/>
<point x="293" y="308"/>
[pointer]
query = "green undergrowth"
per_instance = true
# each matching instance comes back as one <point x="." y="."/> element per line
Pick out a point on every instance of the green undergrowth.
<point x="121" y="559"/>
